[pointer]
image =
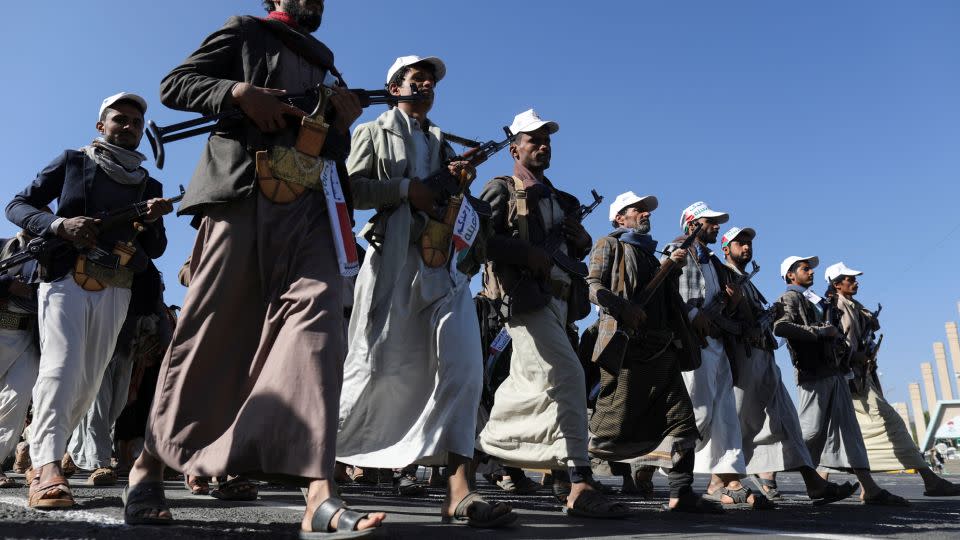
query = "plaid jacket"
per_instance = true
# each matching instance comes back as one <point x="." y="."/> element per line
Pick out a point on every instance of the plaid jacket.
<point x="693" y="288"/>
<point x="603" y="280"/>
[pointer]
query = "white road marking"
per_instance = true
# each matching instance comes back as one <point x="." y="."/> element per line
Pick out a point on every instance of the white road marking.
<point x="819" y="536"/>
<point x="68" y="515"/>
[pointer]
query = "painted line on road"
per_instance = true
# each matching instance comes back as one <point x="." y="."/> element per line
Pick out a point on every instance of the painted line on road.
<point x="819" y="536"/>
<point x="67" y="515"/>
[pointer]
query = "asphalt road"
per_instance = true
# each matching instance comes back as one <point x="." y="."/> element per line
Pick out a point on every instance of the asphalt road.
<point x="278" y="512"/>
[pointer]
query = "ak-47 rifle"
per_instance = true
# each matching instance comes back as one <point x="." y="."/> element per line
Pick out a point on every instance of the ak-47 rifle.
<point x="714" y="310"/>
<point x="556" y="238"/>
<point x="870" y="346"/>
<point x="666" y="267"/>
<point x="309" y="99"/>
<point x="836" y="347"/>
<point x="42" y="249"/>
<point x="451" y="190"/>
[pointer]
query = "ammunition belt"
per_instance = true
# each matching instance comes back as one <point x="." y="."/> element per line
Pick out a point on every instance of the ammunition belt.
<point x="11" y="320"/>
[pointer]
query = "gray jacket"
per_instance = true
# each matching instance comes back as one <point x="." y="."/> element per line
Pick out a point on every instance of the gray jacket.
<point x="246" y="49"/>
<point x="803" y="327"/>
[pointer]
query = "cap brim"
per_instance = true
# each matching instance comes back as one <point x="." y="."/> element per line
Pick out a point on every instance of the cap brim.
<point x="439" y="68"/>
<point x="719" y="217"/>
<point x="746" y="231"/>
<point x="647" y="203"/>
<point x="552" y="127"/>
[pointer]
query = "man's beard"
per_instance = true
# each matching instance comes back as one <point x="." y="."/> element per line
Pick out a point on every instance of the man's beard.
<point x="306" y="19"/>
<point x="742" y="260"/>
<point x="643" y="227"/>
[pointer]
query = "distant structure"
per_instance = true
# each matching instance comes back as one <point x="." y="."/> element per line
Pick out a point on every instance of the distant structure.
<point x="919" y="422"/>
<point x="929" y="388"/>
<point x="940" y="357"/>
<point x="953" y="342"/>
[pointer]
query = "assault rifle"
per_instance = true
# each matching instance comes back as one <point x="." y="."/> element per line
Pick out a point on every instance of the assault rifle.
<point x="43" y="249"/>
<point x="870" y="346"/>
<point x="666" y="267"/>
<point x="445" y="185"/>
<point x="310" y="99"/>
<point x="555" y="239"/>
<point x="836" y="347"/>
<point x="714" y="310"/>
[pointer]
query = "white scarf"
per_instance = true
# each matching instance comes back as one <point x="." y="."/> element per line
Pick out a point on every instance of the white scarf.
<point x="120" y="164"/>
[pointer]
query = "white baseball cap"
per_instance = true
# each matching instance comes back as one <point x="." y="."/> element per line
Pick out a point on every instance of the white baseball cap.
<point x="699" y="210"/>
<point x="122" y="96"/>
<point x="439" y="68"/>
<point x="788" y="262"/>
<point x="529" y="120"/>
<point x="734" y="232"/>
<point x="647" y="203"/>
<point x="836" y="270"/>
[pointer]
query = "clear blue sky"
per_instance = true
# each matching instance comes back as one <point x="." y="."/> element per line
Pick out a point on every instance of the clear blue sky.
<point x="832" y="127"/>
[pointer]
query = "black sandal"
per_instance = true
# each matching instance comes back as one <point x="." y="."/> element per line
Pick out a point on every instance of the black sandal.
<point x="346" y="524"/>
<point x="885" y="498"/>
<point x="740" y="499"/>
<point x="594" y="504"/>
<point x="143" y="497"/>
<point x="835" y="492"/>
<point x="479" y="513"/>
<point x="237" y="489"/>
<point x="692" y="504"/>
<point x="767" y="487"/>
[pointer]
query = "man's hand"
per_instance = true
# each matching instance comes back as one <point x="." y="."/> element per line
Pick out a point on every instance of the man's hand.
<point x="574" y="232"/>
<point x="157" y="207"/>
<point x="80" y="230"/>
<point x="701" y="327"/>
<point x="262" y="106"/>
<point x="347" y="106"/>
<point x="633" y="317"/>
<point x="679" y="257"/>
<point x="462" y="170"/>
<point x="422" y="198"/>
<point x="539" y="262"/>
<point x="829" y="332"/>
<point x="734" y="293"/>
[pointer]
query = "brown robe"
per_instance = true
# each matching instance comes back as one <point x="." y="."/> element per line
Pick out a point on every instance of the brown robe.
<point x="251" y="382"/>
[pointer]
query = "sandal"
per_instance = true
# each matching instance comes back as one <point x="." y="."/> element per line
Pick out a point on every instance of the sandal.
<point x="346" y="525"/>
<point x="740" y="499"/>
<point x="835" y="492"/>
<point x="885" y="498"/>
<point x="561" y="490"/>
<point x="237" y="489"/>
<point x="140" y="499"/>
<point x="198" y="485"/>
<point x="406" y="485"/>
<point x="767" y="487"/>
<point x="39" y="494"/>
<point x="692" y="504"/>
<point x="7" y="482"/>
<point x="367" y="478"/>
<point x="103" y="476"/>
<point x="944" y="488"/>
<point x="593" y="504"/>
<point x="479" y="513"/>
<point x="67" y="466"/>
<point x="21" y="461"/>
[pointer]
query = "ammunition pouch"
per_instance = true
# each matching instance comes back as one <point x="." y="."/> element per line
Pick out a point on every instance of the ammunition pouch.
<point x="11" y="320"/>
<point x="284" y="173"/>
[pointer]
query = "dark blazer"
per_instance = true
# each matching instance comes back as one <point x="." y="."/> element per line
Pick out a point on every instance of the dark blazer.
<point x="246" y="49"/>
<point x="71" y="179"/>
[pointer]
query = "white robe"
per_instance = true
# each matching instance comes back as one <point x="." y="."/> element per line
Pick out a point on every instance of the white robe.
<point x="414" y="371"/>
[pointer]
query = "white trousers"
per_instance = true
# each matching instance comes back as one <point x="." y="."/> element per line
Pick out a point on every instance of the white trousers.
<point x="78" y="332"/>
<point x="91" y="444"/>
<point x="715" y="408"/>
<point x="19" y="362"/>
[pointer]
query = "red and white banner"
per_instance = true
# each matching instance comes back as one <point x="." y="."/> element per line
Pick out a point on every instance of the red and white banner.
<point x="343" y="240"/>
<point x="465" y="231"/>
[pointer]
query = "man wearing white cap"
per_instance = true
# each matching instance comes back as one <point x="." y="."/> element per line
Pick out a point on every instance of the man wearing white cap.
<point x="772" y="437"/>
<point x="413" y="374"/>
<point x="539" y="414"/>
<point x="827" y="418"/>
<point x="643" y="408"/>
<point x="83" y="302"/>
<point x="889" y="444"/>
<point x="703" y="286"/>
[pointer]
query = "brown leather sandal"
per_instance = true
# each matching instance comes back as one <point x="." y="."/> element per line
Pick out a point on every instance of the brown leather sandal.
<point x="57" y="486"/>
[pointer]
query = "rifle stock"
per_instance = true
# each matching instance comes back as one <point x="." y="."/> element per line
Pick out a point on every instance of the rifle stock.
<point x="665" y="268"/>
